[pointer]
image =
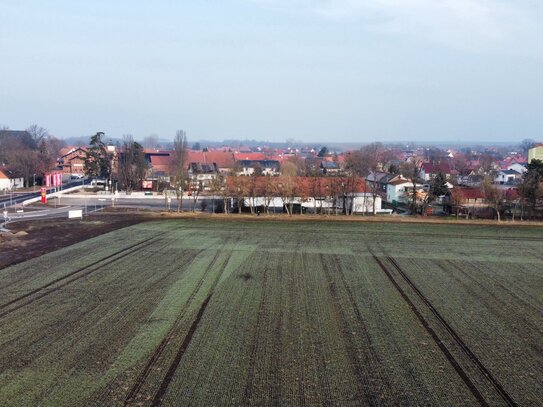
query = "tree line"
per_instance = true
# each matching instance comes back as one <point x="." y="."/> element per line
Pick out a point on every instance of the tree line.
<point x="30" y="153"/>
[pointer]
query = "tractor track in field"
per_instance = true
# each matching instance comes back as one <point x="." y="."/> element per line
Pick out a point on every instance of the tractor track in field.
<point x="454" y="363"/>
<point x="459" y="341"/>
<point x="141" y="379"/>
<point x="159" y="351"/>
<point x="465" y="349"/>
<point x="496" y="298"/>
<point x="77" y="274"/>
<point x="358" y="367"/>
<point x="261" y="306"/>
<point x="361" y="321"/>
<point x="157" y="400"/>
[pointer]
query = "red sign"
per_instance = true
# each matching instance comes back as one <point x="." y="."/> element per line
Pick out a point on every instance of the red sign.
<point x="44" y="195"/>
<point x="147" y="184"/>
<point x="53" y="179"/>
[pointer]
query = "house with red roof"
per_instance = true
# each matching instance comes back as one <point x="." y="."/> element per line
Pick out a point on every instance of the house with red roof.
<point x="430" y="170"/>
<point x="73" y="161"/>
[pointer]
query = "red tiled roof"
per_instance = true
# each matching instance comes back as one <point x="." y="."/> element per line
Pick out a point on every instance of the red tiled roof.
<point x="431" y="168"/>
<point x="249" y="156"/>
<point x="304" y="186"/>
<point x="223" y="159"/>
<point x="163" y="160"/>
<point x="471" y="193"/>
<point x="194" y="156"/>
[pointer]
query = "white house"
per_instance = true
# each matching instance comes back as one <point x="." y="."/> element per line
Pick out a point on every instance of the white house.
<point x="362" y="203"/>
<point x="9" y="181"/>
<point x="507" y="177"/>
<point x="399" y="190"/>
<point x="267" y="167"/>
<point x="396" y="190"/>
<point x="521" y="169"/>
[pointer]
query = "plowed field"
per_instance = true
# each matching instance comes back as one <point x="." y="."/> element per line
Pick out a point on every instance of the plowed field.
<point x="218" y="313"/>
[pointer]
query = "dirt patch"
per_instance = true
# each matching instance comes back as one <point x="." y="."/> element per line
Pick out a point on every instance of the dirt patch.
<point x="30" y="239"/>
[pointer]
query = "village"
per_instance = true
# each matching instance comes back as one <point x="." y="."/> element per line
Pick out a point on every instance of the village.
<point x="376" y="179"/>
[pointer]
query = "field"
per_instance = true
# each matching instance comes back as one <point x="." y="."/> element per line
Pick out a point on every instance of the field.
<point x="213" y="313"/>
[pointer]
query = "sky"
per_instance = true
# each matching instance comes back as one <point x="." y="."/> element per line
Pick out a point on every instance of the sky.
<point x="308" y="70"/>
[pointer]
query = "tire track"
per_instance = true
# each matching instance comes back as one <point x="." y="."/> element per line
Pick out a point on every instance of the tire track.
<point x="454" y="363"/>
<point x="248" y="394"/>
<point x="463" y="347"/>
<point x="79" y="273"/>
<point x="157" y="400"/>
<point x="467" y="351"/>
<point x="140" y="381"/>
<point x="159" y="395"/>
<point x="358" y="367"/>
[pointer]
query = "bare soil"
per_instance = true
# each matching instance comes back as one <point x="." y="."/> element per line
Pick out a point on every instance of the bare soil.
<point x="28" y="239"/>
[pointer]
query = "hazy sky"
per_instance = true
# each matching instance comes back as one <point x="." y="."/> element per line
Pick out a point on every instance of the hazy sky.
<point x="341" y="70"/>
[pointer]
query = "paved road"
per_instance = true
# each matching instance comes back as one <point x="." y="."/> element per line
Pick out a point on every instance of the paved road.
<point x="16" y="198"/>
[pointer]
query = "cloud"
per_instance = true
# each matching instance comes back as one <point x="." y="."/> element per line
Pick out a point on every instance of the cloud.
<point x="495" y="26"/>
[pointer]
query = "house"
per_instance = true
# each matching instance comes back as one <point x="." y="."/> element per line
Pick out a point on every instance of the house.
<point x="203" y="174"/>
<point x="9" y="180"/>
<point x="159" y="167"/>
<point x="382" y="179"/>
<point x="330" y="167"/>
<point x="518" y="167"/>
<point x="266" y="167"/>
<point x="507" y="177"/>
<point x="224" y="160"/>
<point x="73" y="161"/>
<point x="430" y="170"/>
<point x="468" y="197"/>
<point x="401" y="189"/>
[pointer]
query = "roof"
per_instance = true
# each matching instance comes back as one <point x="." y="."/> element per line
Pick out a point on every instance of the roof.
<point x="249" y="156"/>
<point x="202" y="168"/>
<point x="510" y="172"/>
<point x="160" y="160"/>
<point x="329" y="165"/>
<point x="262" y="163"/>
<point x="21" y="135"/>
<point x="15" y="133"/>
<point x="223" y="159"/>
<point x="6" y="173"/>
<point x="431" y="168"/>
<point x="470" y="193"/>
<point x="195" y="156"/>
<point x="303" y="186"/>
<point x="64" y="153"/>
<point x="400" y="181"/>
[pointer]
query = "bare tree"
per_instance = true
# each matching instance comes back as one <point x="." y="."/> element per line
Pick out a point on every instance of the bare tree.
<point x="369" y="162"/>
<point x="179" y="167"/>
<point x="132" y="164"/>
<point x="493" y="196"/>
<point x="38" y="133"/>
<point x="287" y="186"/>
<point x="412" y="170"/>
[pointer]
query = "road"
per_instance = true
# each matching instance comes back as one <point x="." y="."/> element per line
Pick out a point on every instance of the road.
<point x="17" y="198"/>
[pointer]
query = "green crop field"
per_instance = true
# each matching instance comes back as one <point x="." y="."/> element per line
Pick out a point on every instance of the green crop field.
<point x="217" y="313"/>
